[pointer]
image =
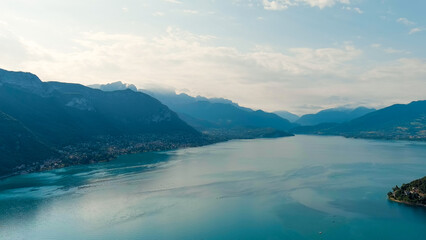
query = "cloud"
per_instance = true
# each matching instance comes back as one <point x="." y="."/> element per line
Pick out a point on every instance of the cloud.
<point x="189" y="11"/>
<point x="354" y="9"/>
<point x="323" y="3"/>
<point x="277" y="4"/>
<point x="416" y="30"/>
<point x="393" y="51"/>
<point x="406" y="73"/>
<point x="306" y="61"/>
<point x="181" y="60"/>
<point x="358" y="10"/>
<point x="158" y="14"/>
<point x="173" y="1"/>
<point x="13" y="52"/>
<point x="285" y="4"/>
<point x="405" y="21"/>
<point x="389" y="50"/>
<point x="403" y="77"/>
<point x="261" y="77"/>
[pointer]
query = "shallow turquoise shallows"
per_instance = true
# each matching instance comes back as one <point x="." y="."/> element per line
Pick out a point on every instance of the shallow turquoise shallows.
<point x="303" y="187"/>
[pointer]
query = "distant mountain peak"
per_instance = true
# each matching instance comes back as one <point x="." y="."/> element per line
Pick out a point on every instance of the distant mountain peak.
<point x="399" y="121"/>
<point x="21" y="79"/>
<point x="218" y="113"/>
<point x="114" y="86"/>
<point x="287" y="115"/>
<point x="333" y="115"/>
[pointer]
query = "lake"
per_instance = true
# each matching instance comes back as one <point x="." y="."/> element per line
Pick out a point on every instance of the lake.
<point x="303" y="187"/>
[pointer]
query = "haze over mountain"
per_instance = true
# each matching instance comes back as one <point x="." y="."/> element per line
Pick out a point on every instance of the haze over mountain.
<point x="36" y="114"/>
<point x="206" y="113"/>
<point x="287" y="115"/>
<point x="399" y="121"/>
<point x="215" y="113"/>
<point x="114" y="86"/>
<point x="333" y="115"/>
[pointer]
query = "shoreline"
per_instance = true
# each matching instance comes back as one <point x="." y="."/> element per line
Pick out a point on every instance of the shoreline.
<point x="420" y="140"/>
<point x="406" y="203"/>
<point x="112" y="158"/>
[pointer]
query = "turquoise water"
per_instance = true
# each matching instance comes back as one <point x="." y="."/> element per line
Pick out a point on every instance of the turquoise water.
<point x="288" y="188"/>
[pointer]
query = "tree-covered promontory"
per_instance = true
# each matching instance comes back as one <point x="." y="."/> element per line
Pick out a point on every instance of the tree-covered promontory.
<point x="412" y="193"/>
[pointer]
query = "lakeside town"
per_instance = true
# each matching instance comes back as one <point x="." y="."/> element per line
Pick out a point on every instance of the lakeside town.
<point x="107" y="148"/>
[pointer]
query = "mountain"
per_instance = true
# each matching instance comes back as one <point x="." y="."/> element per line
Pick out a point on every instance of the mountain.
<point x="287" y="115"/>
<point x="115" y="86"/>
<point x="395" y="122"/>
<point x="170" y="98"/>
<point x="400" y="121"/>
<point x="333" y="115"/>
<point x="204" y="113"/>
<point x="18" y="145"/>
<point x="60" y="115"/>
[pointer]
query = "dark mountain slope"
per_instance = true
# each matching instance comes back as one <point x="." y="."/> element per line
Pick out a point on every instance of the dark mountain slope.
<point x="228" y="116"/>
<point x="334" y="115"/>
<point x="206" y="113"/>
<point x="211" y="113"/>
<point x="217" y="117"/>
<point x="19" y="146"/>
<point x="406" y="122"/>
<point x="82" y="123"/>
<point x="287" y="115"/>
<point x="396" y="122"/>
<point x="60" y="113"/>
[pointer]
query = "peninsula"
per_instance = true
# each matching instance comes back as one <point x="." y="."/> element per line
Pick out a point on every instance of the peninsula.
<point x="413" y="193"/>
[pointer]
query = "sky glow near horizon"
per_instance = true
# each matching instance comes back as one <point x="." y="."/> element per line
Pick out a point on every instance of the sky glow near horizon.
<point x="295" y="55"/>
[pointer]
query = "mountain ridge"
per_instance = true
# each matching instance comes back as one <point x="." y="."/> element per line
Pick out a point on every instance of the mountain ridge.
<point x="208" y="114"/>
<point x="398" y="121"/>
<point x="333" y="115"/>
<point x="221" y="113"/>
<point x="287" y="115"/>
<point x="81" y="123"/>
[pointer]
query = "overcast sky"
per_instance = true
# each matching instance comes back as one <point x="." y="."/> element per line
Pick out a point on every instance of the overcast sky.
<point x="296" y="55"/>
